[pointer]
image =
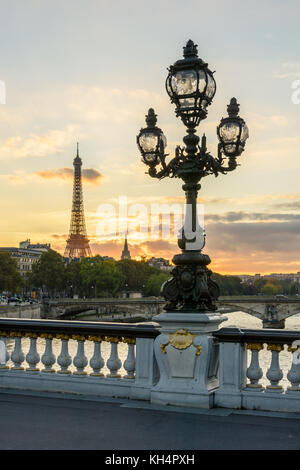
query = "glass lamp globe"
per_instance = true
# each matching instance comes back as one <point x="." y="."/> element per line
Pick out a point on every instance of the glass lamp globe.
<point x="232" y="131"/>
<point x="191" y="86"/>
<point x="151" y="141"/>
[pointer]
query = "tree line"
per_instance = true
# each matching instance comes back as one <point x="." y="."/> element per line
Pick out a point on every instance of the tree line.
<point x="98" y="277"/>
<point x="94" y="277"/>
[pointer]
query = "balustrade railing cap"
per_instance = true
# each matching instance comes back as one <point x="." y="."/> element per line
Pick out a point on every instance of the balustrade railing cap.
<point x="266" y="335"/>
<point x="78" y="327"/>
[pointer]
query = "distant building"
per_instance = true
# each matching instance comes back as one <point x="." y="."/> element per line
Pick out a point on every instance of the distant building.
<point x="292" y="277"/>
<point x="125" y="253"/>
<point x="160" y="263"/>
<point x="34" y="246"/>
<point x="71" y="260"/>
<point x="249" y="278"/>
<point x="26" y="255"/>
<point x="108" y="258"/>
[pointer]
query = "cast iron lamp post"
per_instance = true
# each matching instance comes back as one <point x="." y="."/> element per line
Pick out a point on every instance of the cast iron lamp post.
<point x="191" y="87"/>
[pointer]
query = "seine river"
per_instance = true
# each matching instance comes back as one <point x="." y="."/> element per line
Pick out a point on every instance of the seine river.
<point x="234" y="319"/>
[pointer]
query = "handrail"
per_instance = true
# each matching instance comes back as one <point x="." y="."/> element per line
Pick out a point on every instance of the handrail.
<point x="142" y="300"/>
<point x="133" y="330"/>
<point x="244" y="335"/>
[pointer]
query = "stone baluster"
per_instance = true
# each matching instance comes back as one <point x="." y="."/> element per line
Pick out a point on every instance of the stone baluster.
<point x="274" y="373"/>
<point x="64" y="359"/>
<point x="254" y="371"/>
<point x="113" y="363"/>
<point x="3" y="337"/>
<point x="80" y="361"/>
<point x="17" y="355"/>
<point x="97" y="361"/>
<point x="32" y="357"/>
<point x="294" y="373"/>
<point x="129" y="363"/>
<point x="48" y="358"/>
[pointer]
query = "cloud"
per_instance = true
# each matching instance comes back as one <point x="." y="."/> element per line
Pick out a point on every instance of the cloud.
<point x="295" y="205"/>
<point x="61" y="173"/>
<point x="59" y="237"/>
<point x="159" y="248"/>
<point x="110" y="104"/>
<point x="89" y="175"/>
<point x="288" y="70"/>
<point x="233" y="247"/>
<point x="53" y="142"/>
<point x="260" y="238"/>
<point x="251" y="216"/>
<point x="258" y="121"/>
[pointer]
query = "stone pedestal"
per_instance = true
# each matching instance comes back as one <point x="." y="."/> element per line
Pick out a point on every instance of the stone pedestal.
<point x="187" y="358"/>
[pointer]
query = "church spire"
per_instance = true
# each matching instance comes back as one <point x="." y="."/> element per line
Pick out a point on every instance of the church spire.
<point x="125" y="252"/>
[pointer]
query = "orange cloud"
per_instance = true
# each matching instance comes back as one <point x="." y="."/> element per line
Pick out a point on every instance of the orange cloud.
<point x="89" y="175"/>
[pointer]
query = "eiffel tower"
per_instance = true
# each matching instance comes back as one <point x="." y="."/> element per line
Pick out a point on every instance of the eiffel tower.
<point x="77" y="243"/>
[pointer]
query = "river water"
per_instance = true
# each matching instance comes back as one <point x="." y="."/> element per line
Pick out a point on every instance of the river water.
<point x="234" y="319"/>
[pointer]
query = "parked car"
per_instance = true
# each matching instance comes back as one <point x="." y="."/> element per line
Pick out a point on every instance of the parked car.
<point x="13" y="301"/>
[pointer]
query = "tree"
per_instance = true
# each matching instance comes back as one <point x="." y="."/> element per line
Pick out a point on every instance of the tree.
<point x="100" y="277"/>
<point x="229" y="285"/>
<point x="270" y="286"/>
<point x="10" y="278"/>
<point x="154" y="283"/>
<point x="136" y="273"/>
<point x="49" y="272"/>
<point x="73" y="280"/>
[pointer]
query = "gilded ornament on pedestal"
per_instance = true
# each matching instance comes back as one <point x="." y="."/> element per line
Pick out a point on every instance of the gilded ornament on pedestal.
<point x="181" y="340"/>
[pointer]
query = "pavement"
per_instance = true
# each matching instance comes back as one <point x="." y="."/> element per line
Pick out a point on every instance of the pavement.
<point x="35" y="422"/>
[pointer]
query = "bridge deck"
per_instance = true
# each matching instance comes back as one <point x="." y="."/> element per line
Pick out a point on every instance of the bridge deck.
<point x="52" y="422"/>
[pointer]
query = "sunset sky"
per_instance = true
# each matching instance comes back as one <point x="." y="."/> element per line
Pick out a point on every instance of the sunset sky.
<point x="89" y="70"/>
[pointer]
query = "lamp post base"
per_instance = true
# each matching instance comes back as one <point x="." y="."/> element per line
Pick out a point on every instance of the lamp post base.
<point x="191" y="288"/>
<point x="187" y="358"/>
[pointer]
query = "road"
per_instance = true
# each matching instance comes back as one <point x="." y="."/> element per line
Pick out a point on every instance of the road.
<point x="43" y="422"/>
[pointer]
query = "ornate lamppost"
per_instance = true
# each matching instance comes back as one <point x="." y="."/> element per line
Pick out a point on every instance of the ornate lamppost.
<point x="191" y="87"/>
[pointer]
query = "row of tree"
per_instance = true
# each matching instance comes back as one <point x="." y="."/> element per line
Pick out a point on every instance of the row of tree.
<point x="272" y="286"/>
<point x="94" y="277"/>
<point x="232" y="285"/>
<point x="97" y="277"/>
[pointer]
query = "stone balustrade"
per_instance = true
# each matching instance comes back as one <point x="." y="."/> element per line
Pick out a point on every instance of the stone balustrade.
<point x="78" y="355"/>
<point x="259" y="369"/>
<point x="229" y="367"/>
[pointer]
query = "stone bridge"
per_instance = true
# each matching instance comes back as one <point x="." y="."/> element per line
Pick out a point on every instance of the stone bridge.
<point x="271" y="310"/>
<point x="102" y="309"/>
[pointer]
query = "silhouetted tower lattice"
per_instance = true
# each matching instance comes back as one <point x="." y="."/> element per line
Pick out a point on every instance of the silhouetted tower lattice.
<point x="77" y="243"/>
